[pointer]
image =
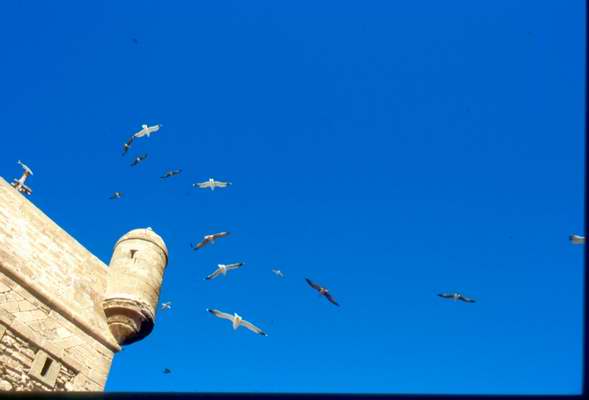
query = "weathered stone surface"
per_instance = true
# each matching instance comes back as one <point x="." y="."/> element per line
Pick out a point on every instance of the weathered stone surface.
<point x="5" y="386"/>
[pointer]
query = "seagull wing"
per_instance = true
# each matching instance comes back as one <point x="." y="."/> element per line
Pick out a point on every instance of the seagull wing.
<point x="331" y="299"/>
<point x="278" y="272"/>
<point x="253" y="328"/>
<point x="313" y="284"/>
<point x="467" y="299"/>
<point x="214" y="274"/>
<point x="139" y="134"/>
<point x="446" y="295"/>
<point x="220" y="314"/>
<point x="203" y="185"/>
<point x="222" y="184"/>
<point x="220" y="235"/>
<point x="234" y="266"/>
<point x="154" y="128"/>
<point x="201" y="244"/>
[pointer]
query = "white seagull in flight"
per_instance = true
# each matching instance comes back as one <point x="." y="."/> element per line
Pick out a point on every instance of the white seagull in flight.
<point x="211" y="183"/>
<point x="237" y="321"/>
<point x="209" y="239"/>
<point x="278" y="272"/>
<point x="577" y="239"/>
<point x="223" y="270"/>
<point x="147" y="130"/>
<point x="167" y="305"/>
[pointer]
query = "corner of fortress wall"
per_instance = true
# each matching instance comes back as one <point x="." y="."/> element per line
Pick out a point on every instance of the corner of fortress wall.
<point x="54" y="333"/>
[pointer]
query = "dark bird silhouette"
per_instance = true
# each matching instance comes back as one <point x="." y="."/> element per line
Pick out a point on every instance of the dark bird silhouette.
<point x="171" y="173"/>
<point x="456" y="297"/>
<point x="116" y="195"/>
<point x="167" y="370"/>
<point x="139" y="159"/>
<point x="322" y="291"/>
<point x="127" y="145"/>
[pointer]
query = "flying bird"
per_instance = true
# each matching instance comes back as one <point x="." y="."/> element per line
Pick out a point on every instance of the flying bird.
<point x="237" y="321"/>
<point x="167" y="305"/>
<point x="209" y="239"/>
<point x="147" y="130"/>
<point x="278" y="273"/>
<point x="127" y="145"/>
<point x="139" y="159"/>
<point x="577" y="239"/>
<point x="211" y="183"/>
<point x="19" y="184"/>
<point x="171" y="173"/>
<point x="167" y="370"/>
<point x="116" y="195"/>
<point x="456" y="297"/>
<point x="223" y="270"/>
<point x="322" y="291"/>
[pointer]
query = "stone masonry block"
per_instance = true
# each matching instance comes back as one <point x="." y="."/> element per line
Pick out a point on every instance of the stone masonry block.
<point x="4" y="288"/>
<point x="26" y="306"/>
<point x="11" y="307"/>
<point x="28" y="316"/>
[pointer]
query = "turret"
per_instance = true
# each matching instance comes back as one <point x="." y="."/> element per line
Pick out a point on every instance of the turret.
<point x="135" y="276"/>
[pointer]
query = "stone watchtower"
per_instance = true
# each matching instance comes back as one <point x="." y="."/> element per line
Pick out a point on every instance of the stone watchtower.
<point x="63" y="312"/>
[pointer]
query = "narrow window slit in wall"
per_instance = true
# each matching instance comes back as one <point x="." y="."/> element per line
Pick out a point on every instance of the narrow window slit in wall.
<point x="46" y="366"/>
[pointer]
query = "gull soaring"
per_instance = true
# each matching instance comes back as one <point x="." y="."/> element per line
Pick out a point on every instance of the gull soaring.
<point x="278" y="272"/>
<point x="166" y="306"/>
<point x="322" y="291"/>
<point x="147" y="130"/>
<point x="237" y="321"/>
<point x="577" y="239"/>
<point x="456" y="297"/>
<point x="209" y="239"/>
<point x="127" y="145"/>
<point x="222" y="269"/>
<point x="138" y="159"/>
<point x="171" y="173"/>
<point x="211" y="183"/>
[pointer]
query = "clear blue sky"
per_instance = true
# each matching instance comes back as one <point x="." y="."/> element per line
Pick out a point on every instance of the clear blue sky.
<point x="388" y="150"/>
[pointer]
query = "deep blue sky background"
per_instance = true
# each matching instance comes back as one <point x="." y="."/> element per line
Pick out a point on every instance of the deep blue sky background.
<point x="387" y="150"/>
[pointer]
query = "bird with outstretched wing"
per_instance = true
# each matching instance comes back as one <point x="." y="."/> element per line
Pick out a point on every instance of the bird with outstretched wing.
<point x="171" y="173"/>
<point x="209" y="239"/>
<point x="322" y="291"/>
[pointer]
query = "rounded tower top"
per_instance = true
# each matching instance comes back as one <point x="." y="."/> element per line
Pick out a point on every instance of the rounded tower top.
<point x="145" y="234"/>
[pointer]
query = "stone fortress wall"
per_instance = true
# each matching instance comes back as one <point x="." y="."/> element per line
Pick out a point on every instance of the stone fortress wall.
<point x="54" y="333"/>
